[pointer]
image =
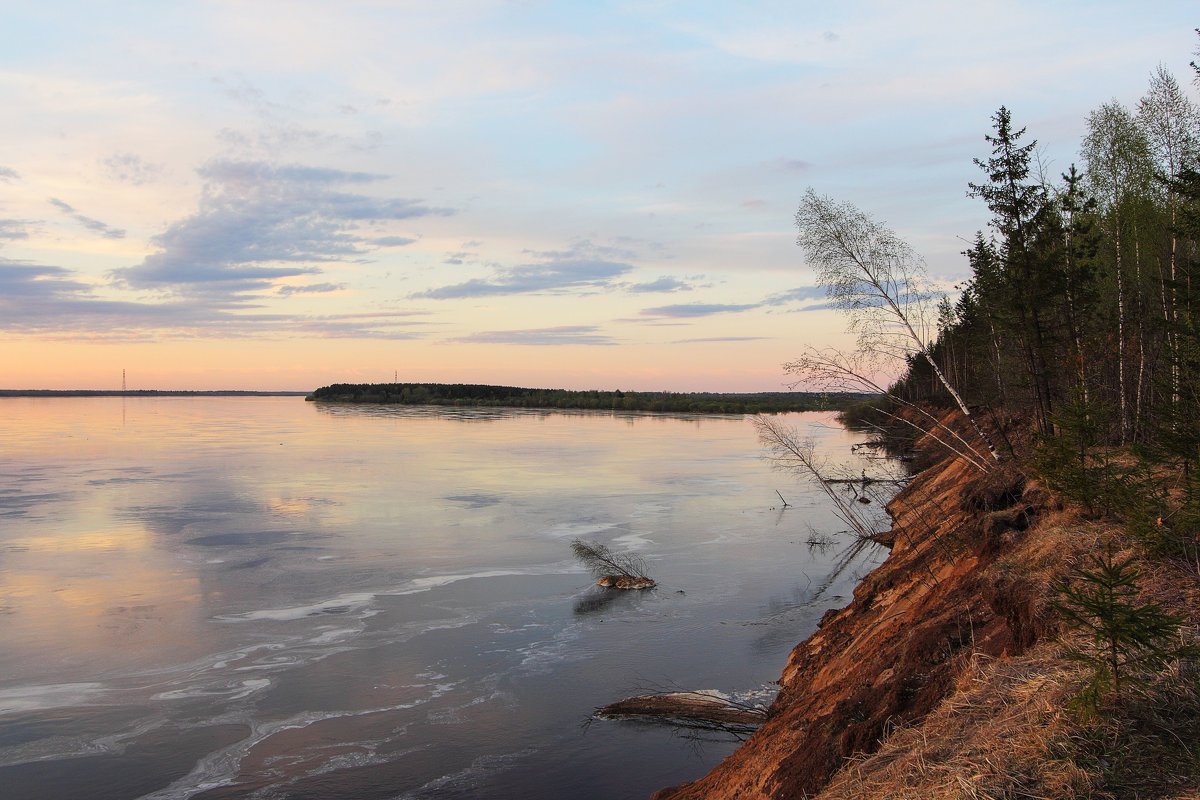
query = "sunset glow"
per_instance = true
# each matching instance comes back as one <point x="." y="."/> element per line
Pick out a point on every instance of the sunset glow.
<point x="280" y="195"/>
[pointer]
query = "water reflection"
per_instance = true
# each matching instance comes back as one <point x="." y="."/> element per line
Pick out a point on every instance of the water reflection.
<point x="203" y="597"/>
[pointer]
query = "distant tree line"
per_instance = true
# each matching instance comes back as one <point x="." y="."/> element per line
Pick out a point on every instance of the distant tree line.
<point x="464" y="394"/>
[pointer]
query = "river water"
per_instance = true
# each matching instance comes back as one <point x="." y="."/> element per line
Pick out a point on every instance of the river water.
<point x="266" y="598"/>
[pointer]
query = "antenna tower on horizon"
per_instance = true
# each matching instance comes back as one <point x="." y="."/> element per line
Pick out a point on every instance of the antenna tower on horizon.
<point x="122" y="380"/>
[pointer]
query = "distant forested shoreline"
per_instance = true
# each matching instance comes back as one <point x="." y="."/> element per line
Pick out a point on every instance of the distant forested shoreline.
<point x="466" y="394"/>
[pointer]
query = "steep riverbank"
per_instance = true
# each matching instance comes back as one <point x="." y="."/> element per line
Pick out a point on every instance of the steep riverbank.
<point x="965" y="581"/>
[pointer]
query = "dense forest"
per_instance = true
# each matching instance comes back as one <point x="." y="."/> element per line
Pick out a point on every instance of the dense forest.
<point x="1074" y="345"/>
<point x="465" y="394"/>
<point x="1081" y="317"/>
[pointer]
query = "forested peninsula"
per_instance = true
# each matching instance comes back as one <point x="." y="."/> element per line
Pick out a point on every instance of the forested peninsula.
<point x="480" y="395"/>
<point x="1035" y="629"/>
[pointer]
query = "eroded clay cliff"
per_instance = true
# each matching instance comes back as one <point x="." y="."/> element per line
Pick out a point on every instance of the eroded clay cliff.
<point x="894" y="652"/>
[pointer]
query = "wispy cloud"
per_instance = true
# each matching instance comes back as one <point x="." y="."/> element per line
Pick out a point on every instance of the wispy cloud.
<point x="311" y="288"/>
<point x="708" y="339"/>
<point x="543" y="337"/>
<point x="817" y="307"/>
<point x="8" y="174"/>
<point x="260" y="222"/>
<point x="698" y="309"/>
<point x="798" y="295"/>
<point x="131" y="168"/>
<point x="43" y="298"/>
<point x="14" y="229"/>
<point x="104" y="229"/>
<point x="552" y="276"/>
<point x="583" y="267"/>
<point x="663" y="284"/>
<point x="50" y="300"/>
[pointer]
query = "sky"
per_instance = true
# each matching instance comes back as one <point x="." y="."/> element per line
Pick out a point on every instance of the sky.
<point x="282" y="195"/>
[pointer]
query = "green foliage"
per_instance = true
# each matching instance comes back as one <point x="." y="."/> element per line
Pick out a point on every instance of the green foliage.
<point x="1125" y="638"/>
<point x="1073" y="463"/>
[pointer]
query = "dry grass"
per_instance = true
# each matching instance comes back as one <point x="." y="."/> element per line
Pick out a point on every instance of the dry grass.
<point x="1012" y="728"/>
<point x="990" y="739"/>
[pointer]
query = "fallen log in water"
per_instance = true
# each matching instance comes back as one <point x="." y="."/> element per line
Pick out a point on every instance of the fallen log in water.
<point x="689" y="709"/>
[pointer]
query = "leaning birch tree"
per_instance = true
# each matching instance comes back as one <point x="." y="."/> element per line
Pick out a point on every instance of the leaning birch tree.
<point x="879" y="282"/>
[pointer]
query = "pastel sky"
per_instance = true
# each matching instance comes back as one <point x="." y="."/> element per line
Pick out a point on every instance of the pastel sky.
<point x="280" y="195"/>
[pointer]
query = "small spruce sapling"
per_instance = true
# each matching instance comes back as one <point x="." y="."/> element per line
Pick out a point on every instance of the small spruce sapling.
<point x="1126" y="638"/>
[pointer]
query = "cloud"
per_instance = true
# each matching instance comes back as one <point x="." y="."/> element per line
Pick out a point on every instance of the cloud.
<point x="790" y="165"/>
<point x="582" y="266"/>
<point x="392" y="241"/>
<point x="458" y="257"/>
<point x="42" y="298"/>
<point x="723" y="339"/>
<point x="817" y="307"/>
<point x="7" y="174"/>
<point x="698" y="309"/>
<point x="663" y="284"/>
<point x="311" y="288"/>
<point x="585" y="248"/>
<point x="105" y="230"/>
<point x="543" y="337"/>
<point x="552" y="276"/>
<point x="797" y="295"/>
<point x="388" y="325"/>
<point x="14" y="229"/>
<point x="260" y="222"/>
<point x="48" y="300"/>
<point x="131" y="168"/>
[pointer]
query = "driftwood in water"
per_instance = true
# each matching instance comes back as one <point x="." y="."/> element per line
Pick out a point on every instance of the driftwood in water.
<point x="613" y="570"/>
<point x="688" y="709"/>
<point x="625" y="582"/>
<point x="865" y="481"/>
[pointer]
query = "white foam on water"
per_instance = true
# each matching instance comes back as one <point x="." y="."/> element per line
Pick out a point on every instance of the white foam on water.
<point x="468" y="777"/>
<point x="633" y="541"/>
<point x="355" y="600"/>
<point x="221" y="768"/>
<point x="234" y="692"/>
<point x="332" y="636"/>
<point x="578" y="529"/>
<point x="649" y="509"/>
<point x="418" y="585"/>
<point x="43" y="696"/>
<point x="361" y="601"/>
<point x="539" y="657"/>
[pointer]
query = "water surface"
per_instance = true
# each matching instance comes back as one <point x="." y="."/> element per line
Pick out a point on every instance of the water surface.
<point x="262" y="597"/>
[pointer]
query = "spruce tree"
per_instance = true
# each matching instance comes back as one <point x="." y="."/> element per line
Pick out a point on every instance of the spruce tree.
<point x="1126" y="638"/>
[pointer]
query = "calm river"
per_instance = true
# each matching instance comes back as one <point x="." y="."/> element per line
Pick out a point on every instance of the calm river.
<point x="268" y="598"/>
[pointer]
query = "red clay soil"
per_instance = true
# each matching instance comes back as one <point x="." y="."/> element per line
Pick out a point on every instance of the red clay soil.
<point x="890" y="656"/>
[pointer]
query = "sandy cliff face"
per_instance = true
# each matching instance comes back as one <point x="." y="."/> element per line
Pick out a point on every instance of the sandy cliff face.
<point x="894" y="653"/>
